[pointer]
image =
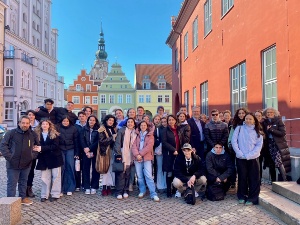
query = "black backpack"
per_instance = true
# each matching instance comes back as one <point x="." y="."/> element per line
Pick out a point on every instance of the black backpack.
<point x="215" y="192"/>
<point x="189" y="195"/>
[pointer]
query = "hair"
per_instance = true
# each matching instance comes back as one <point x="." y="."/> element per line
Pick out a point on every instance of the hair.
<point x="96" y="126"/>
<point x="276" y="112"/>
<point x="160" y="107"/>
<point x="67" y="117"/>
<point x="24" y="117"/>
<point x="178" y="114"/>
<point x="132" y="120"/>
<point x="129" y="110"/>
<point x="53" y="133"/>
<point x="107" y="117"/>
<point x="49" y="100"/>
<point x="145" y="115"/>
<point x="257" y="126"/>
<point x="214" y="110"/>
<point x="227" y="111"/>
<point x="87" y="107"/>
<point x="148" y="126"/>
<point x="259" y="111"/>
<point x="118" y="110"/>
<point x="172" y="117"/>
<point x="155" y="117"/>
<point x="80" y="112"/>
<point x="195" y="107"/>
<point x="30" y="111"/>
<point x="218" y="143"/>
<point x="183" y="106"/>
<point x="140" y="107"/>
<point x="203" y="115"/>
<point x="236" y="120"/>
<point x="70" y="102"/>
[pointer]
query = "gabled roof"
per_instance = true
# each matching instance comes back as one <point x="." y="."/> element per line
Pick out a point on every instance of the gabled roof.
<point x="153" y="70"/>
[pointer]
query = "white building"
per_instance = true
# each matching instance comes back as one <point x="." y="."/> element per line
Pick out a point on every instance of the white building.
<point x="30" y="59"/>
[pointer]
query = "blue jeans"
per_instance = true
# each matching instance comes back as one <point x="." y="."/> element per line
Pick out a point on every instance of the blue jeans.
<point x="14" y="177"/>
<point x="144" y="169"/>
<point x="68" y="171"/>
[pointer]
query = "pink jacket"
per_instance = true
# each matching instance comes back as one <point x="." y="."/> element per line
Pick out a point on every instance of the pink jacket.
<point x="147" y="150"/>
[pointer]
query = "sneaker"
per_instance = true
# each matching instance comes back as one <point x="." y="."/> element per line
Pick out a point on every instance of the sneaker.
<point x="241" y="201"/>
<point x="125" y="195"/>
<point x="130" y="187"/>
<point x="77" y="189"/>
<point x="141" y="195"/>
<point x="248" y="203"/>
<point x="178" y="194"/>
<point x="155" y="198"/>
<point x="26" y="201"/>
<point x="93" y="191"/>
<point x="69" y="193"/>
<point x="119" y="197"/>
<point x="87" y="191"/>
<point x="61" y="194"/>
<point x="196" y="194"/>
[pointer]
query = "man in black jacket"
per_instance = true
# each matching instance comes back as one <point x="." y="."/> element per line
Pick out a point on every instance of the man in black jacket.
<point x="18" y="147"/>
<point x="61" y="112"/>
<point x="188" y="170"/>
<point x="47" y="111"/>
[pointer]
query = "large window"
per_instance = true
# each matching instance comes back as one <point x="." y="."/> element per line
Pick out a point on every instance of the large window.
<point x="146" y="85"/>
<point x="186" y="100"/>
<point x="120" y="98"/>
<point x="95" y="100"/>
<point x="9" y="110"/>
<point x="195" y="33"/>
<point x="88" y="87"/>
<point x="186" y="46"/>
<point x="103" y="99"/>
<point x="9" y="78"/>
<point x="207" y="17"/>
<point x="76" y="99"/>
<point x="270" y="78"/>
<point x="226" y="6"/>
<point x="148" y="98"/>
<point x="204" y="97"/>
<point x="128" y="98"/>
<point x="78" y="87"/>
<point x="238" y="86"/>
<point x="159" y="98"/>
<point x="87" y="100"/>
<point x="141" y="98"/>
<point x="167" y="98"/>
<point x="112" y="99"/>
<point x="194" y="96"/>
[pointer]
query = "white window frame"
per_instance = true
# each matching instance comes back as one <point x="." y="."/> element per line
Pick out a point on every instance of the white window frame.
<point x="95" y="100"/>
<point x="226" y="6"/>
<point x="9" y="78"/>
<point x="167" y="98"/>
<point x="102" y="112"/>
<point x="146" y="85"/>
<point x="102" y="98"/>
<point x="207" y="17"/>
<point x="120" y="98"/>
<point x="128" y="99"/>
<point x="76" y="99"/>
<point x="88" y="87"/>
<point x="162" y="85"/>
<point x="204" y="97"/>
<point x="111" y="99"/>
<point x="195" y="33"/>
<point x="194" y="96"/>
<point x="148" y="98"/>
<point x="187" y="100"/>
<point x="78" y="87"/>
<point x="9" y="110"/>
<point x="186" y="45"/>
<point x="87" y="99"/>
<point x="141" y="98"/>
<point x="159" y="98"/>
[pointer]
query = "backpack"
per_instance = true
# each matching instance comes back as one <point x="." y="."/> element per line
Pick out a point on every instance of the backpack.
<point x="189" y="195"/>
<point x="215" y="192"/>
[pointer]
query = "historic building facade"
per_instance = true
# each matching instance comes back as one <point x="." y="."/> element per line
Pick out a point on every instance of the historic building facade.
<point x="226" y="56"/>
<point x="30" y="59"/>
<point x="153" y="84"/>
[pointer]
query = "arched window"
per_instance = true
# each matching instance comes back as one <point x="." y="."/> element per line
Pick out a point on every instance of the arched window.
<point x="9" y="78"/>
<point x="22" y="79"/>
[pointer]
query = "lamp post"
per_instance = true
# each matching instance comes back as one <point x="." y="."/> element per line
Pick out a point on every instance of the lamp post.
<point x="17" y="107"/>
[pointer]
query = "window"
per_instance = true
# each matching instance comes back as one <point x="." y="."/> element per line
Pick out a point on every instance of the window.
<point x="88" y="87"/>
<point x="103" y="113"/>
<point x="28" y="81"/>
<point x="52" y="91"/>
<point x="204" y="97"/>
<point x="103" y="99"/>
<point x="128" y="98"/>
<point x="226" y="6"/>
<point x="95" y="100"/>
<point x="76" y="99"/>
<point x="141" y="98"/>
<point x="207" y="17"/>
<point x="238" y="86"/>
<point x="186" y="45"/>
<point x="159" y="98"/>
<point x="148" y="98"/>
<point x="9" y="78"/>
<point x="45" y="89"/>
<point x="161" y="85"/>
<point x="270" y="78"/>
<point x="146" y="85"/>
<point x="194" y="96"/>
<point x="167" y="98"/>
<point x="38" y="27"/>
<point x="186" y="100"/>
<point x="37" y="43"/>
<point x="78" y="87"/>
<point x="176" y="59"/>
<point x="87" y="100"/>
<point x="33" y="24"/>
<point x="112" y="99"/>
<point x="22" y="79"/>
<point x="120" y="98"/>
<point x="24" y="17"/>
<point x="9" y="111"/>
<point x="195" y="33"/>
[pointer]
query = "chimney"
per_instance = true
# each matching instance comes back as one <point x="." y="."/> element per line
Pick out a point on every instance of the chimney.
<point x="173" y="20"/>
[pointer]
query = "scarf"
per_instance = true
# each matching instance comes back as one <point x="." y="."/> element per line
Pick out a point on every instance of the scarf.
<point x="129" y="138"/>
<point x="142" y="139"/>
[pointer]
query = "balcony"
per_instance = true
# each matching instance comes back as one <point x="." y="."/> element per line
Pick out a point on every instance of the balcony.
<point x="9" y="54"/>
<point x="25" y="58"/>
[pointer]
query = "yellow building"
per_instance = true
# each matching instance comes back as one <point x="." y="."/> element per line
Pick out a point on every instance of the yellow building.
<point x="153" y="84"/>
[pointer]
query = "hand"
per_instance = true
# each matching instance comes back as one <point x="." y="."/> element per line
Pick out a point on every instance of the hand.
<point x="191" y="181"/>
<point x="114" y="137"/>
<point x="225" y="180"/>
<point x="218" y="180"/>
<point x="139" y="158"/>
<point x="37" y="148"/>
<point x="269" y="126"/>
<point x="194" y="150"/>
<point x="175" y="153"/>
<point x="76" y="157"/>
<point x="86" y="150"/>
<point x="37" y="109"/>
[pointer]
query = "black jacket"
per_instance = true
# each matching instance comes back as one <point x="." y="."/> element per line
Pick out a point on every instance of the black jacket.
<point x="50" y="156"/>
<point x="68" y="138"/>
<point x="185" y="129"/>
<point x="16" y="147"/>
<point x="105" y="141"/>
<point x="218" y="166"/>
<point x="60" y="112"/>
<point x="87" y="142"/>
<point x="182" y="172"/>
<point x="195" y="133"/>
<point x="216" y="132"/>
<point x="43" y="113"/>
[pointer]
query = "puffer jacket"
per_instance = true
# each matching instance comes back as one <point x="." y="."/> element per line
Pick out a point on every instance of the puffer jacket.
<point x="68" y="138"/>
<point x="147" y="150"/>
<point x="215" y="132"/>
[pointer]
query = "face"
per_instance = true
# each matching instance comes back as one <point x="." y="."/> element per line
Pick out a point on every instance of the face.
<point x="45" y="126"/>
<point x="119" y="115"/>
<point x="82" y="118"/>
<point x="215" y="116"/>
<point x="181" y="117"/>
<point x="31" y="116"/>
<point x="218" y="149"/>
<point x="171" y="121"/>
<point x="241" y="114"/>
<point x="24" y="124"/>
<point x="258" y="116"/>
<point x="183" y="110"/>
<point x="156" y="120"/>
<point x="227" y="117"/>
<point x="187" y="153"/>
<point x="143" y="126"/>
<point x="131" y="113"/>
<point x="147" y="119"/>
<point x="160" y="111"/>
<point x="92" y="121"/>
<point x="196" y="113"/>
<point x="221" y="116"/>
<point x="65" y="122"/>
<point x="203" y="118"/>
<point x="164" y="122"/>
<point x="130" y="124"/>
<point x="88" y="112"/>
<point x="48" y="105"/>
<point x="249" y="120"/>
<point x="110" y="122"/>
<point x="70" y="106"/>
<point x="270" y="113"/>
<point x="140" y="111"/>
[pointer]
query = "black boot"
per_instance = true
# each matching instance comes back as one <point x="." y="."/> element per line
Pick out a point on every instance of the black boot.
<point x="282" y="172"/>
<point x="298" y="181"/>
<point x="29" y="192"/>
<point x="169" y="189"/>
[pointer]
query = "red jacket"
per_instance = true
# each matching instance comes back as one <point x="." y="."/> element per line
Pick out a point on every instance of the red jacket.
<point x="147" y="150"/>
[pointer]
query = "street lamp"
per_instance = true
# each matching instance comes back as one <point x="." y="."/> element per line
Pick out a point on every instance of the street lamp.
<point x="18" y="106"/>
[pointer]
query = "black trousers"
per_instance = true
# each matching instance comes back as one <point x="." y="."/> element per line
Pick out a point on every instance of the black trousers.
<point x="122" y="181"/>
<point x="87" y="182"/>
<point x="248" y="179"/>
<point x="31" y="173"/>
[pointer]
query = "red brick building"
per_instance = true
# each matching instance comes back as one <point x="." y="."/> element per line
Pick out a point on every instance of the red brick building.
<point x="227" y="54"/>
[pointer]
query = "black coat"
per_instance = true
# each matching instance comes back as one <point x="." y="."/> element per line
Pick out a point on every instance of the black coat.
<point x="216" y="132"/>
<point x="185" y="129"/>
<point x="105" y="140"/>
<point x="61" y="112"/>
<point x="50" y="156"/>
<point x="218" y="166"/>
<point x="43" y="113"/>
<point x="68" y="138"/>
<point x="16" y="147"/>
<point x="87" y="142"/>
<point x="182" y="172"/>
<point x="195" y="133"/>
<point x="169" y="147"/>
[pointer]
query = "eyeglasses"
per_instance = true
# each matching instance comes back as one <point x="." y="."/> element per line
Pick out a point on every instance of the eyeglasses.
<point x="215" y="114"/>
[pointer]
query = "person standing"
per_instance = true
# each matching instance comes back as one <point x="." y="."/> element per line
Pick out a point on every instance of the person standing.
<point x="184" y="127"/>
<point x="140" y="113"/>
<point x="119" y="116"/>
<point x="19" y="146"/>
<point x="47" y="111"/>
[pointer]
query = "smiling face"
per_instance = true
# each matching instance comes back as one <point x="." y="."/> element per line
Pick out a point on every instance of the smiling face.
<point x="45" y="126"/>
<point x="65" y="122"/>
<point x="147" y="119"/>
<point x="92" y="122"/>
<point x="88" y="112"/>
<point x="119" y="115"/>
<point x="131" y="113"/>
<point x="130" y="124"/>
<point x="181" y="117"/>
<point x="270" y="113"/>
<point x="241" y="114"/>
<point x="110" y="122"/>
<point x="258" y="116"/>
<point x="171" y="121"/>
<point x="156" y="120"/>
<point x="249" y="120"/>
<point x="227" y="117"/>
<point x="31" y="116"/>
<point x="143" y="126"/>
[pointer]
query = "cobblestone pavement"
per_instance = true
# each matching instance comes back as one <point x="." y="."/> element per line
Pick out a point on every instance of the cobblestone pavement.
<point x="95" y="209"/>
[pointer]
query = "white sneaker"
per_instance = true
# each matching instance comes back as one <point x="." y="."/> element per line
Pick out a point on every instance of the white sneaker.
<point x="119" y="197"/>
<point x="77" y="189"/>
<point x="196" y="194"/>
<point x="178" y="194"/>
<point x="61" y="194"/>
<point x="93" y="191"/>
<point x="69" y="193"/>
<point x="141" y="195"/>
<point x="155" y="198"/>
<point x="87" y="191"/>
<point x="125" y="195"/>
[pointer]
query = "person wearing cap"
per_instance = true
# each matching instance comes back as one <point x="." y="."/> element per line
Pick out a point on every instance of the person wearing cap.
<point x="188" y="171"/>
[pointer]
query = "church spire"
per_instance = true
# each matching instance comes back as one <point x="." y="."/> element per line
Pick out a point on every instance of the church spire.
<point x="101" y="53"/>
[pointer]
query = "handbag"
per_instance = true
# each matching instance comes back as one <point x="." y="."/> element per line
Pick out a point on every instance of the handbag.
<point x="215" y="192"/>
<point x="102" y="161"/>
<point x="158" y="149"/>
<point x="118" y="165"/>
<point x="189" y="195"/>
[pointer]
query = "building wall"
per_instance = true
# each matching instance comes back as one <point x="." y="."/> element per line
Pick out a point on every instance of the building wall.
<point x="248" y="29"/>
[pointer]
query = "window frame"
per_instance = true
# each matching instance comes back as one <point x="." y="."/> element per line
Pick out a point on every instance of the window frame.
<point x="8" y="111"/>
<point x="75" y="98"/>
<point x="159" y="98"/>
<point x="120" y="98"/>
<point x="128" y="98"/>
<point x="141" y="98"/>
<point x="95" y="100"/>
<point x="103" y="98"/>
<point x="204" y="97"/>
<point x="207" y="17"/>
<point x="229" y="6"/>
<point x="186" y="46"/>
<point x="195" y="33"/>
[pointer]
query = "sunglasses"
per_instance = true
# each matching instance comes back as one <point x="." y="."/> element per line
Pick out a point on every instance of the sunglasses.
<point x="215" y="114"/>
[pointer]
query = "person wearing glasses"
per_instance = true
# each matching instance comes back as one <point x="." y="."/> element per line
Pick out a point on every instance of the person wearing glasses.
<point x="215" y="131"/>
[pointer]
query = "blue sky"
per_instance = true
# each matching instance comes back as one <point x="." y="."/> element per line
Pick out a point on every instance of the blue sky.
<point x="135" y="32"/>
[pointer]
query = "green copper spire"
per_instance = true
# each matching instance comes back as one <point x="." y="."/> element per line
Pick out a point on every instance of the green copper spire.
<point x="101" y="53"/>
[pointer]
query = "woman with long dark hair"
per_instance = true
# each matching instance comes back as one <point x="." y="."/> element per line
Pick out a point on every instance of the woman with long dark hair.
<point x="247" y="142"/>
<point x="89" y="138"/>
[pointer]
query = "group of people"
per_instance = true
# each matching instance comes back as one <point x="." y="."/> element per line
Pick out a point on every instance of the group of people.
<point x="167" y="154"/>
